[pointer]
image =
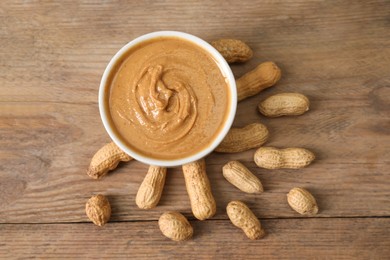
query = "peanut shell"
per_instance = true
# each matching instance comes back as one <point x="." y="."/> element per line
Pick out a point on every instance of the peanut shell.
<point x="199" y="191"/>
<point x="302" y="201"/>
<point x="242" y="139"/>
<point x="175" y="226"/>
<point x="284" y="104"/>
<point x="149" y="193"/>
<point x="253" y="82"/>
<point x="98" y="210"/>
<point x="288" y="158"/>
<point x="240" y="176"/>
<point x="233" y="50"/>
<point x="106" y="159"/>
<point x="241" y="216"/>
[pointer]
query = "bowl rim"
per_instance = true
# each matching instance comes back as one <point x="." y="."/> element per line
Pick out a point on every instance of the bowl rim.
<point x="105" y="113"/>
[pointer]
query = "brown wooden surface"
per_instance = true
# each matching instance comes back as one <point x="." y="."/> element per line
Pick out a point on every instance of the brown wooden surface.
<point x="337" y="53"/>
<point x="351" y="238"/>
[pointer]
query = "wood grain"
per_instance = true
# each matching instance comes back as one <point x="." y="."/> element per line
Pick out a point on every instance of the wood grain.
<point x="287" y="239"/>
<point x="48" y="148"/>
<point x="52" y="56"/>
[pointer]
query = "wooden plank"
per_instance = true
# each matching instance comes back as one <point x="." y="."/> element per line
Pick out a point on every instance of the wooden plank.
<point x="57" y="52"/>
<point x="366" y="238"/>
<point x="52" y="57"/>
<point x="48" y="146"/>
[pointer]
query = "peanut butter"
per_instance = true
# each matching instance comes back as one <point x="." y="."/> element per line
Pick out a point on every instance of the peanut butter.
<point x="168" y="98"/>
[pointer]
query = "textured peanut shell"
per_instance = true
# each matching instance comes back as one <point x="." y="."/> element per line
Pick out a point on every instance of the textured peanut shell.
<point x="149" y="193"/>
<point x="302" y="201"/>
<point x="175" y="226"/>
<point x="263" y="76"/>
<point x="242" y="139"/>
<point x="284" y="104"/>
<point x="233" y="50"/>
<point x="98" y="210"/>
<point x="241" y="216"/>
<point x="240" y="176"/>
<point x="289" y="158"/>
<point x="198" y="187"/>
<point x="106" y="159"/>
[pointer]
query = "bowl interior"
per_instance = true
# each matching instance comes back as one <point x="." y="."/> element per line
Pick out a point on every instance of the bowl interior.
<point x="105" y="113"/>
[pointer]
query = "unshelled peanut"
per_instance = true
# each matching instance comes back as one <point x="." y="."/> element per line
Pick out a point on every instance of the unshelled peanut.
<point x="240" y="176"/>
<point x="263" y="76"/>
<point x="175" y="226"/>
<point x="233" y="50"/>
<point x="149" y="193"/>
<point x="284" y="104"/>
<point x="241" y="216"/>
<point x="242" y="139"/>
<point x="289" y="158"/>
<point x="198" y="187"/>
<point x="98" y="210"/>
<point x="302" y="201"/>
<point x="106" y="159"/>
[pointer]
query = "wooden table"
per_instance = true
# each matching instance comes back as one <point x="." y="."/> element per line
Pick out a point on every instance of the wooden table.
<point x="337" y="53"/>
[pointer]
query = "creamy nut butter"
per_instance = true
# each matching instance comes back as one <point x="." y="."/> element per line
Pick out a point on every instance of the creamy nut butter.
<point x="168" y="98"/>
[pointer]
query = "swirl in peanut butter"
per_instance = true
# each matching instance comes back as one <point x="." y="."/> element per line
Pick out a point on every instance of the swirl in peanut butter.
<point x="162" y="110"/>
<point x="168" y="98"/>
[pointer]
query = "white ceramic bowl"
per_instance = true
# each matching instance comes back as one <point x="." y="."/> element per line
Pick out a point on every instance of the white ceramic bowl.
<point x="105" y="114"/>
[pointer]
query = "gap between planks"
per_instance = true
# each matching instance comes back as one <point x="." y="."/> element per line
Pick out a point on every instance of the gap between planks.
<point x="193" y="219"/>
